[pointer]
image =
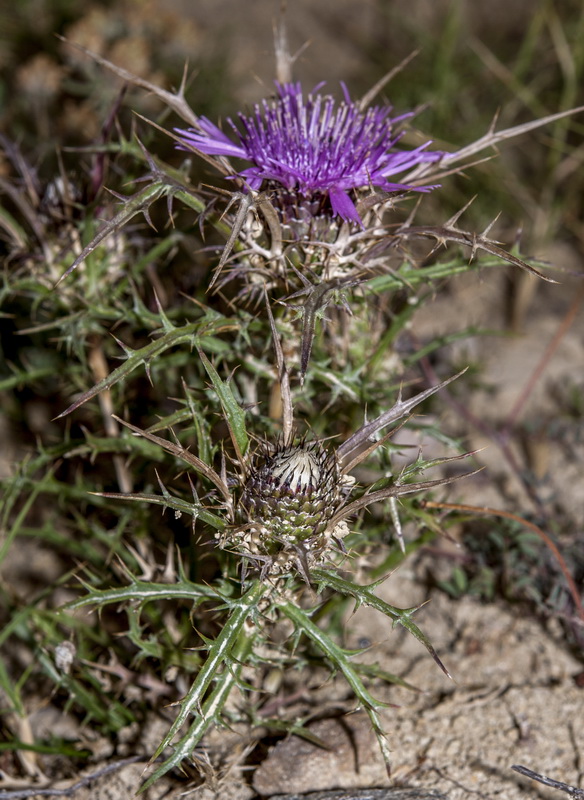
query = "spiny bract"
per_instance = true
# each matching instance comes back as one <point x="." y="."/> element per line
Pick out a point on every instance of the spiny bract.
<point x="287" y="503"/>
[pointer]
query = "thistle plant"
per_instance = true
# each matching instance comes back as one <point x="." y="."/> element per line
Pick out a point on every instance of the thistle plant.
<point x="284" y="518"/>
<point x="266" y="365"/>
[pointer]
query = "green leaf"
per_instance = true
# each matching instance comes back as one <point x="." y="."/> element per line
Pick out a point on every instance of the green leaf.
<point x="234" y="414"/>
<point x="194" y="334"/>
<point x="364" y="595"/>
<point x="168" y="501"/>
<point x="143" y="592"/>
<point x="339" y="659"/>
<point x="223" y="665"/>
<point x="138" y="203"/>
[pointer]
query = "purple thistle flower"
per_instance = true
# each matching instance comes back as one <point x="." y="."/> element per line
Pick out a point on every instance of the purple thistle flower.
<point x="315" y="147"/>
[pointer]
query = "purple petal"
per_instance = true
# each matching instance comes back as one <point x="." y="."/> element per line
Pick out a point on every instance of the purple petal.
<point x="315" y="146"/>
<point x="343" y="206"/>
<point x="218" y="144"/>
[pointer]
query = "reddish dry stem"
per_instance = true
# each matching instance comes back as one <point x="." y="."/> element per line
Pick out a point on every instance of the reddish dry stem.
<point x="546" y="358"/>
<point x="495" y="512"/>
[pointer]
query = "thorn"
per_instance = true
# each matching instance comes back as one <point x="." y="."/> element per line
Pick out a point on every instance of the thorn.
<point x="495" y="119"/>
<point x="397" y="523"/>
<point x="183" y="81"/>
<point x="148" y="218"/>
<point x="127" y="350"/>
<point x="166" y="323"/>
<point x="163" y="489"/>
<point x="149" y="159"/>
<point x="454" y="219"/>
<point x="148" y="372"/>
<point x="486" y="232"/>
<point x="121" y="197"/>
<point x="411" y="215"/>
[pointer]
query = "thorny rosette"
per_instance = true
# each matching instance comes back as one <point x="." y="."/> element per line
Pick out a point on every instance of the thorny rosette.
<point x="284" y="509"/>
<point x="280" y="518"/>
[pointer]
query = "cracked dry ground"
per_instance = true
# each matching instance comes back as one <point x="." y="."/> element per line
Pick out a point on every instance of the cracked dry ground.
<point x="515" y="699"/>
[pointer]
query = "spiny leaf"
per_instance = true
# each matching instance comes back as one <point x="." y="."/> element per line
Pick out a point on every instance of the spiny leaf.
<point x="138" y="203"/>
<point x="247" y="202"/>
<point x="194" y="333"/>
<point x="475" y="242"/>
<point x="210" y="713"/>
<point x="400" y="409"/>
<point x="492" y="137"/>
<point x="182" y="453"/>
<point x="396" y="490"/>
<point x="339" y="659"/>
<point x="168" y="501"/>
<point x="364" y="595"/>
<point x="224" y="661"/>
<point x="143" y="592"/>
<point x="219" y="650"/>
<point x="234" y="414"/>
<point x="174" y="100"/>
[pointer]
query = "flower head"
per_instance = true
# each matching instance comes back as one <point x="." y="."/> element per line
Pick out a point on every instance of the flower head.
<point x="316" y="147"/>
<point x="288" y="500"/>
